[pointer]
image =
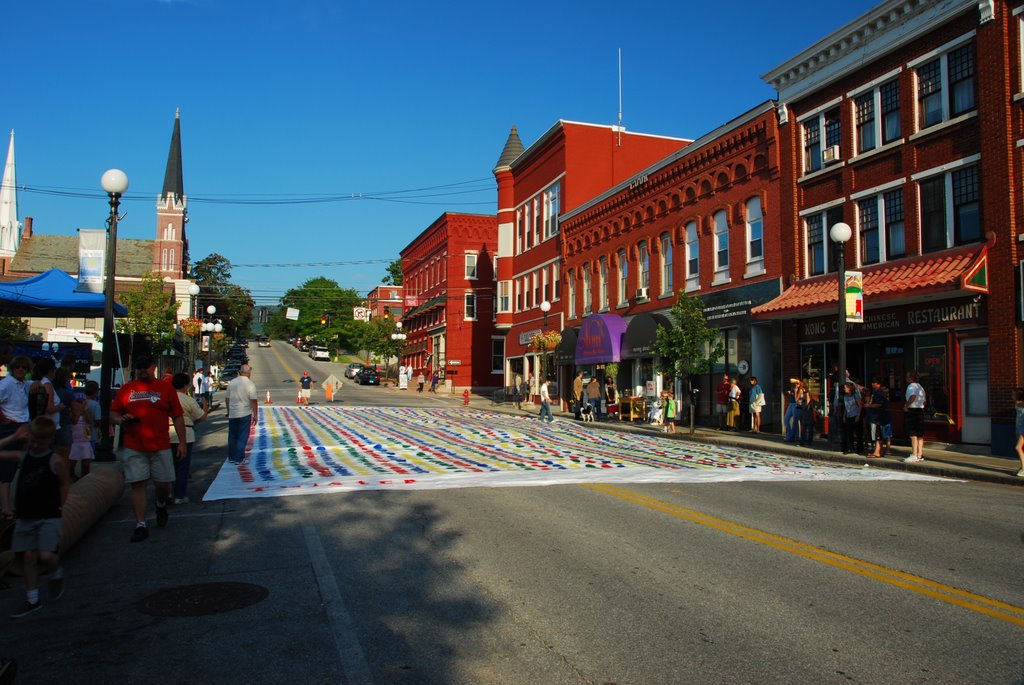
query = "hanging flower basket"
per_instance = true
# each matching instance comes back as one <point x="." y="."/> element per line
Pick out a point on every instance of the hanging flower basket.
<point x="191" y="326"/>
<point x="541" y="342"/>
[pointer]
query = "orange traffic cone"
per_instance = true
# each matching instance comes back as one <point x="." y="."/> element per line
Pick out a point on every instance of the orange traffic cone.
<point x="268" y="397"/>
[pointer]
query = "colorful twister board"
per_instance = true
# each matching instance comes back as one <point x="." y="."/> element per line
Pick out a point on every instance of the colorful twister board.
<point x="311" y="450"/>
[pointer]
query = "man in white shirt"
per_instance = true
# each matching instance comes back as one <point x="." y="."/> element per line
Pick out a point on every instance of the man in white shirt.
<point x="242" y="405"/>
<point x="545" y="402"/>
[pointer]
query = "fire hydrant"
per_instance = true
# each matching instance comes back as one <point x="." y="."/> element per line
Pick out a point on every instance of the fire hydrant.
<point x="465" y="397"/>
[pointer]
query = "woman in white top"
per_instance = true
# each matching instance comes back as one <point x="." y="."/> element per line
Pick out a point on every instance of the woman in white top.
<point x="914" y="413"/>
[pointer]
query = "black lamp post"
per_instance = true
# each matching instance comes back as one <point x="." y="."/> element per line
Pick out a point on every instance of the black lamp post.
<point x="115" y="183"/>
<point x="840" y="233"/>
<point x="545" y="307"/>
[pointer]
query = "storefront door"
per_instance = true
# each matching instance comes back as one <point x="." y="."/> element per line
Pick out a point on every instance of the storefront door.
<point x="977" y="424"/>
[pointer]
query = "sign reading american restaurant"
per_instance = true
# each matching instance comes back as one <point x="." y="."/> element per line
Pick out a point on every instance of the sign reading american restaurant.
<point x="899" y="320"/>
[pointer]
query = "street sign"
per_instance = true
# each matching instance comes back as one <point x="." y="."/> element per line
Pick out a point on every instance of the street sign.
<point x="332" y="381"/>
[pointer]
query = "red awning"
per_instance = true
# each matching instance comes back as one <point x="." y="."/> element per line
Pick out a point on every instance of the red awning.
<point x="950" y="272"/>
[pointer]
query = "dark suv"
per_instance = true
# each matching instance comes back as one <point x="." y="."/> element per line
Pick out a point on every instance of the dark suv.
<point x="367" y="376"/>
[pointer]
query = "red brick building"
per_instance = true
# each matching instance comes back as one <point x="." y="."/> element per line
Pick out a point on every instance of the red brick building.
<point x="905" y="124"/>
<point x="448" y="282"/>
<point x="702" y="221"/>
<point x="386" y="301"/>
<point x="567" y="166"/>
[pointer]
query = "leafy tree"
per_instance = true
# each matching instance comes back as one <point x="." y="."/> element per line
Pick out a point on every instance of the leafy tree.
<point x="152" y="310"/>
<point x="689" y="348"/>
<point x="316" y="299"/>
<point x="376" y="339"/>
<point x="394" y="273"/>
<point x="234" y="304"/>
<point x="13" y="328"/>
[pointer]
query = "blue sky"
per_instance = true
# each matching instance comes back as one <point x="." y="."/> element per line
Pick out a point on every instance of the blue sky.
<point x="363" y="102"/>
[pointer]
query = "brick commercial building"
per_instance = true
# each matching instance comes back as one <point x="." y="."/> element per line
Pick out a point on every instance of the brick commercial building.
<point x="905" y="124"/>
<point x="448" y="284"/>
<point x="704" y="222"/>
<point x="567" y="166"/>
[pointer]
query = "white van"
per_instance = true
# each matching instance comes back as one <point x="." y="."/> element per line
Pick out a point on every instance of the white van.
<point x="317" y="353"/>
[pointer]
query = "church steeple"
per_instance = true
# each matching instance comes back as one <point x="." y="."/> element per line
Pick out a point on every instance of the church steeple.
<point x="173" y="183"/>
<point x="170" y="250"/>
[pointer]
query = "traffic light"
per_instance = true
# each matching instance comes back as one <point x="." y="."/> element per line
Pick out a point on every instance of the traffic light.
<point x="323" y="320"/>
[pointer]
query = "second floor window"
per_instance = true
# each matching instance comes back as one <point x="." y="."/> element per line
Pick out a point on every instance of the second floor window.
<point x="470" y="306"/>
<point x="755" y="231"/>
<point x="571" y="280"/>
<point x="471" y="266"/>
<point x="721" y="241"/>
<point x="586" y="289"/>
<point x="877" y="116"/>
<point x="950" y="210"/>
<point x="643" y="259"/>
<point x="505" y="296"/>
<point x="623" y="277"/>
<point x="821" y="139"/>
<point x="603" y="284"/>
<point x="820" y="253"/>
<point x="880" y="227"/>
<point x="692" y="255"/>
<point x="666" y="264"/>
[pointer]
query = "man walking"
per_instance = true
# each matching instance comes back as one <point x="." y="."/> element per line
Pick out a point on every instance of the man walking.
<point x="142" y="408"/>
<point x="577" y="393"/>
<point x="545" y="402"/>
<point x="305" y="387"/>
<point x="243" y="409"/>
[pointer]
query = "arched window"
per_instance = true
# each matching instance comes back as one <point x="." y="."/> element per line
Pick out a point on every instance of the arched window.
<point x="666" y="264"/>
<point x="755" y="236"/>
<point x="721" y="246"/>
<point x="692" y="257"/>
<point x="623" y="277"/>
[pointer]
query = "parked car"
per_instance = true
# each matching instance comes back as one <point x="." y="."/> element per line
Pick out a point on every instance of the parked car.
<point x="353" y="369"/>
<point x="368" y="376"/>
<point x="317" y="353"/>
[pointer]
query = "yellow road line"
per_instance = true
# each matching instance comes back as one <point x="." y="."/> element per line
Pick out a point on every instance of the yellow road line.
<point x="930" y="588"/>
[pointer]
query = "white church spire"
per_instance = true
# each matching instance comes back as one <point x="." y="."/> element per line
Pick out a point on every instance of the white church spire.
<point x="10" y="227"/>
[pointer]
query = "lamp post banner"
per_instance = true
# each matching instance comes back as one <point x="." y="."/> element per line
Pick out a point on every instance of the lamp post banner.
<point x="854" y="292"/>
<point x="91" y="259"/>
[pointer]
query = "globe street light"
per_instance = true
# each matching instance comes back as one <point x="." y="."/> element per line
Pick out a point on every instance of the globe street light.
<point x="399" y="337"/>
<point x="115" y="183"/>
<point x="840" y="233"/>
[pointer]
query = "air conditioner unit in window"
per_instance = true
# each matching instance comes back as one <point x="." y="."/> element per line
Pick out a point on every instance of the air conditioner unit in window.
<point x="643" y="293"/>
<point x="830" y="154"/>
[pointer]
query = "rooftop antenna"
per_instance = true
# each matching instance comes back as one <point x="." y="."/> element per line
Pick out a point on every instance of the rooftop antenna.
<point x="619" y="128"/>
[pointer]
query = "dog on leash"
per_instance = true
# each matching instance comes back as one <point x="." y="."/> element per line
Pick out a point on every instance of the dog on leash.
<point x="587" y="412"/>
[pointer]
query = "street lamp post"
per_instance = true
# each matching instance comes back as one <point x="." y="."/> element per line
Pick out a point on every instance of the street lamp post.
<point x="840" y="233"/>
<point x="193" y="292"/>
<point x="399" y="337"/>
<point x="115" y="183"/>
<point x="545" y="307"/>
<point x="211" y="326"/>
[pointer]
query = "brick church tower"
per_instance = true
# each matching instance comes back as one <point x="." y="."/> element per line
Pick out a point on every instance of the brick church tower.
<point x="170" y="249"/>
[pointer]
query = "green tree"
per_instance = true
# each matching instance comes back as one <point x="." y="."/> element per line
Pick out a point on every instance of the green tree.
<point x="316" y="298"/>
<point x="690" y="347"/>
<point x="394" y="273"/>
<point x="376" y="339"/>
<point x="234" y="304"/>
<point x="152" y="310"/>
<point x="13" y="328"/>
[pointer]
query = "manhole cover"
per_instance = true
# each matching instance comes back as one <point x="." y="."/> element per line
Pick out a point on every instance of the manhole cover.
<point x="203" y="599"/>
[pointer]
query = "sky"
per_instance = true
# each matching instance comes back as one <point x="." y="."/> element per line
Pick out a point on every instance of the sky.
<point x="320" y="137"/>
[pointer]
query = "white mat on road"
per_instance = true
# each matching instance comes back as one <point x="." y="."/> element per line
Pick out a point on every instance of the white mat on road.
<point x="311" y="450"/>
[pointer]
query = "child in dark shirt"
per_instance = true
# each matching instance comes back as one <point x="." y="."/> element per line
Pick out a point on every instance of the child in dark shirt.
<point x="40" y="494"/>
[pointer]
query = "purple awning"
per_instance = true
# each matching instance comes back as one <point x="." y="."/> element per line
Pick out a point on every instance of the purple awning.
<point x="600" y="339"/>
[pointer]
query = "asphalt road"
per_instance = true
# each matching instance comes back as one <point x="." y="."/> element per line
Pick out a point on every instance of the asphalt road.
<point x="819" y="582"/>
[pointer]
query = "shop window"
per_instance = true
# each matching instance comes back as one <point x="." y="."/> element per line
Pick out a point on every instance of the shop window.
<point x="666" y="264"/>
<point x="945" y="86"/>
<point x="950" y="209"/>
<point x="931" y="361"/>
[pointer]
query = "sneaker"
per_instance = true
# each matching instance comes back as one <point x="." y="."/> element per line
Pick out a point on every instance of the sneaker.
<point x="1021" y="473"/>
<point x="181" y="500"/>
<point x="140" y="533"/>
<point x="161" y="516"/>
<point x="25" y="609"/>
<point x="913" y="458"/>
<point x="56" y="588"/>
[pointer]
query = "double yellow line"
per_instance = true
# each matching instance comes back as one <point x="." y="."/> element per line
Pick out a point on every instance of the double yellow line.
<point x="923" y="586"/>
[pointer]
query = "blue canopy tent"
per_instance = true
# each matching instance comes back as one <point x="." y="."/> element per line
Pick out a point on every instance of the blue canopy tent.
<point x="51" y="293"/>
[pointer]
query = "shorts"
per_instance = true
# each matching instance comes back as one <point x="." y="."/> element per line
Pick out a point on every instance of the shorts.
<point x="914" y="422"/>
<point x="36" y="534"/>
<point x="755" y="408"/>
<point x="721" y="408"/>
<point x="142" y="466"/>
<point x="305" y="393"/>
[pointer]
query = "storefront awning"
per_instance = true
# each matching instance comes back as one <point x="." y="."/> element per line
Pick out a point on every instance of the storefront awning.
<point x="600" y="339"/>
<point x="641" y="333"/>
<point x="952" y="272"/>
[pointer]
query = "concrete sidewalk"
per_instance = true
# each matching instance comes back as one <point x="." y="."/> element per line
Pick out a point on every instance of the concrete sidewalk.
<point x="969" y="462"/>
